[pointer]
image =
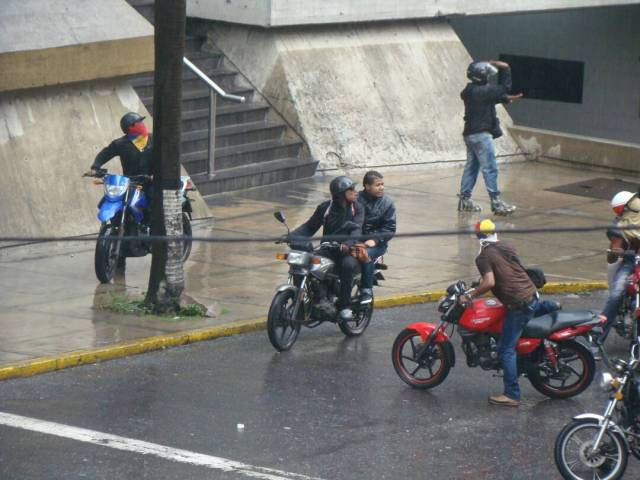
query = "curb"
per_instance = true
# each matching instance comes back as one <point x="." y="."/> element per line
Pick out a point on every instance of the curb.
<point x="149" y="344"/>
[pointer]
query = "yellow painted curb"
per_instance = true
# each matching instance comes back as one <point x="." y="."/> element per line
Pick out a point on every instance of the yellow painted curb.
<point x="134" y="347"/>
<point x="143" y="345"/>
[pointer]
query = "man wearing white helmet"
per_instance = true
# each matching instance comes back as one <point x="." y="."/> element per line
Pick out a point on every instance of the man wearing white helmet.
<point x="623" y="247"/>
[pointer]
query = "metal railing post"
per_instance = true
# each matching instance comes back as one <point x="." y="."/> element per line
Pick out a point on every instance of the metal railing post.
<point x="213" y="100"/>
<point x="214" y="91"/>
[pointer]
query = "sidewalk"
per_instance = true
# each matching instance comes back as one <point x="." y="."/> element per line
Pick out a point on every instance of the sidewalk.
<point x="49" y="293"/>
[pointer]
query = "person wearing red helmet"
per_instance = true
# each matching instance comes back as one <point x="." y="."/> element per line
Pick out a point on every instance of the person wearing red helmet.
<point x="623" y="247"/>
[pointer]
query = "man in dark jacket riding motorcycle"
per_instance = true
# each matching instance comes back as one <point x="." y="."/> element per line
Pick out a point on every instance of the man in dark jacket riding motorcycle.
<point x="344" y="216"/>
<point x="379" y="226"/>
<point x="134" y="149"/>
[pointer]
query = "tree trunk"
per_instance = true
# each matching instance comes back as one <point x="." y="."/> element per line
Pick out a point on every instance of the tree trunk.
<point x="166" y="280"/>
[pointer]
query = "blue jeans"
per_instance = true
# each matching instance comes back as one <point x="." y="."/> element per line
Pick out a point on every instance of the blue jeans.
<point x="481" y="155"/>
<point x="369" y="268"/>
<point x="616" y="292"/>
<point x="511" y="331"/>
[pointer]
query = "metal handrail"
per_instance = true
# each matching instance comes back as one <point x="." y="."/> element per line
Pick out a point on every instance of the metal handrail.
<point x="211" y="83"/>
<point x="214" y="91"/>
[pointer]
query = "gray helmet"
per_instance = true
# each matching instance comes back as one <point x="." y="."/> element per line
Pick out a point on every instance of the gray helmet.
<point x="340" y="185"/>
<point x="128" y="119"/>
<point x="479" y="72"/>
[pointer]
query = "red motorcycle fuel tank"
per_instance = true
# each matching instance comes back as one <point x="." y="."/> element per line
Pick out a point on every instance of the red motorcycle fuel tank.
<point x="486" y="315"/>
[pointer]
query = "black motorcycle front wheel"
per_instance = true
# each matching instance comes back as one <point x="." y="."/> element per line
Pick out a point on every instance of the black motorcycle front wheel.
<point x="282" y="329"/>
<point x="105" y="259"/>
<point x="428" y="371"/>
<point x="573" y="373"/>
<point x="576" y="460"/>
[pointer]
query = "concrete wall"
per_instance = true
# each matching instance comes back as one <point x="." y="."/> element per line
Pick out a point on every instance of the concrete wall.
<point x="51" y="42"/>
<point x="362" y="95"/>
<point x="606" y="40"/>
<point x="48" y="138"/>
<point x="303" y="12"/>
<point x="578" y="150"/>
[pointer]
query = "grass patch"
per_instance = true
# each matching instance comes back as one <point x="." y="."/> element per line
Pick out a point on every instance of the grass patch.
<point x="123" y="304"/>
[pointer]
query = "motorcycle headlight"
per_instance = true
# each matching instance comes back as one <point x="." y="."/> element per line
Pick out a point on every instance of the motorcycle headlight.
<point x="605" y="381"/>
<point x="115" y="186"/>
<point x="300" y="259"/>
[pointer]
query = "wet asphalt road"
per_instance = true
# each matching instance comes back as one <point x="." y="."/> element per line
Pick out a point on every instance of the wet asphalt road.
<point x="331" y="408"/>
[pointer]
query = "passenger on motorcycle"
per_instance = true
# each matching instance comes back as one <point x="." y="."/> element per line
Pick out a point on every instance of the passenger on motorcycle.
<point x="623" y="247"/>
<point x="342" y="215"/>
<point x="379" y="225"/>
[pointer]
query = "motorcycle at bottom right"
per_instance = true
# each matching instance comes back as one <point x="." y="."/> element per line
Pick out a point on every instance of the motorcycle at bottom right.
<point x="595" y="446"/>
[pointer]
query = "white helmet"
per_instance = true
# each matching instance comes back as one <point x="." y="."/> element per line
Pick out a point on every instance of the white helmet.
<point x="620" y="200"/>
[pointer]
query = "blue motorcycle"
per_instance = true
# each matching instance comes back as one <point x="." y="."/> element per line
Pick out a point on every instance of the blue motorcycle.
<point x="124" y="211"/>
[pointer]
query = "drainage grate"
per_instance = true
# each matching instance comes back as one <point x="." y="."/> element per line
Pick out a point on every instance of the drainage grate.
<point x="602" y="188"/>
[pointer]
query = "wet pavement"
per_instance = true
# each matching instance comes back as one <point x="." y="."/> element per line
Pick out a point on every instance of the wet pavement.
<point x="331" y="408"/>
<point x="51" y="299"/>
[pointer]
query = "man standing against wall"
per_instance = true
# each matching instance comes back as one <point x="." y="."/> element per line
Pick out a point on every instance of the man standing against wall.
<point x="480" y="128"/>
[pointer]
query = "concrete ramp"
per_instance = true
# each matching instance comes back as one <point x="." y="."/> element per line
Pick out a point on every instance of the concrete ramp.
<point x="278" y="13"/>
<point x="52" y="42"/>
<point x="48" y="138"/>
<point x="363" y="96"/>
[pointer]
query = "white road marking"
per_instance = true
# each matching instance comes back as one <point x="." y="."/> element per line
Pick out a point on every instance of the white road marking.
<point x="146" y="448"/>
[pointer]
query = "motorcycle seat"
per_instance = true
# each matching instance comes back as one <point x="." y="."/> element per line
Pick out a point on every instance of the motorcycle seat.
<point x="544" y="325"/>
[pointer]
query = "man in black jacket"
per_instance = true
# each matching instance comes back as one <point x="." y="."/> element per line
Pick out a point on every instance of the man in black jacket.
<point x="134" y="148"/>
<point x="379" y="225"/>
<point x="344" y="216"/>
<point x="480" y="127"/>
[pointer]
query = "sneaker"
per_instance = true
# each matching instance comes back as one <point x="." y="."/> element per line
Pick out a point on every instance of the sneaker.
<point x="366" y="296"/>
<point x="500" y="207"/>
<point x="504" y="401"/>
<point x="465" y="204"/>
<point x="345" y="315"/>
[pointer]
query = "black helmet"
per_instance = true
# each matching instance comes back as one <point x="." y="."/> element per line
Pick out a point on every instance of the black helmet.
<point x="128" y="119"/>
<point x="479" y="72"/>
<point x="340" y="185"/>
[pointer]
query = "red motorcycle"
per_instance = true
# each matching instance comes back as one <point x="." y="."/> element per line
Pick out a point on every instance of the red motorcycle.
<point x="547" y="353"/>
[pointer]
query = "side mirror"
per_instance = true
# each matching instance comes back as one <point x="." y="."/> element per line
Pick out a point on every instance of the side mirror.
<point x="280" y="217"/>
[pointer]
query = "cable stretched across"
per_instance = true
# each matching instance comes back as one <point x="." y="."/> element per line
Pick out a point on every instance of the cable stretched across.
<point x="337" y="238"/>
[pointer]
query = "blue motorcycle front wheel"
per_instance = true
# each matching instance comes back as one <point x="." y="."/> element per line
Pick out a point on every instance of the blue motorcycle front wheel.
<point x="105" y="257"/>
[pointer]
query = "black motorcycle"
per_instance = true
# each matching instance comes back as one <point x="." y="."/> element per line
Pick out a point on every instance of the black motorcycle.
<point x="597" y="446"/>
<point x="310" y="296"/>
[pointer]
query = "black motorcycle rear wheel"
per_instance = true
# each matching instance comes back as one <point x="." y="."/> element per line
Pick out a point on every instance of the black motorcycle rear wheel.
<point x="573" y="456"/>
<point x="105" y="260"/>
<point x="361" y="317"/>
<point x="577" y="368"/>
<point x="281" y="328"/>
<point x="187" y="232"/>
<point x="428" y="372"/>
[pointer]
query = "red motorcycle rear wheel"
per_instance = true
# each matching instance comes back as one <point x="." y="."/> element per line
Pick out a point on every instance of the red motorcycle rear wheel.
<point x="426" y="373"/>
<point x="576" y="371"/>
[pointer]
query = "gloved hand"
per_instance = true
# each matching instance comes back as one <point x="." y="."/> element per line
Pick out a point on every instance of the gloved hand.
<point x="283" y="238"/>
<point x="359" y="252"/>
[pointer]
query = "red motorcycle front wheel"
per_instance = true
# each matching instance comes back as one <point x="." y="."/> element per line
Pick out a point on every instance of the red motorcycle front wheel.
<point x="426" y="372"/>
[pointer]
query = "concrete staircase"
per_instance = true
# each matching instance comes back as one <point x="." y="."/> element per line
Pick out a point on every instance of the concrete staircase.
<point x="253" y="145"/>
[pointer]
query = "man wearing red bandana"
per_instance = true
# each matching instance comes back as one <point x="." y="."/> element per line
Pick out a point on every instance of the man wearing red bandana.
<point x="134" y="148"/>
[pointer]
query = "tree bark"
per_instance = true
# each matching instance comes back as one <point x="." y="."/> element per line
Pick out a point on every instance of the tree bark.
<point x="166" y="279"/>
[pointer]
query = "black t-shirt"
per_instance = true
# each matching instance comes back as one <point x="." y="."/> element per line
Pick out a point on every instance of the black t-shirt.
<point x="480" y="103"/>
